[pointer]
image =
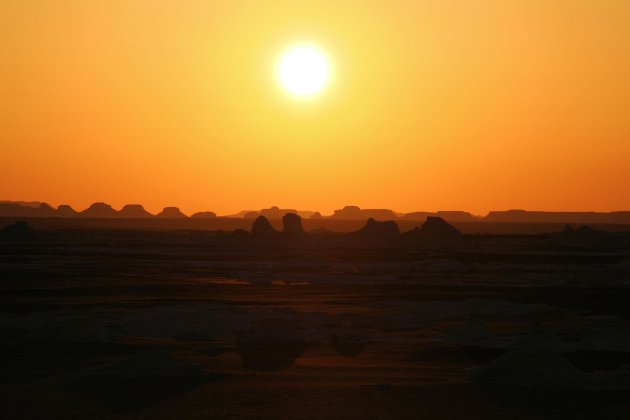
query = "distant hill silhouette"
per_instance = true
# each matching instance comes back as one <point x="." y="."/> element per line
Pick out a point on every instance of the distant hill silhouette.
<point x="616" y="217"/>
<point x="21" y="209"/>
<point x="99" y="210"/>
<point x="65" y="211"/>
<point x="375" y="233"/>
<point x="134" y="211"/>
<point x="356" y="213"/>
<point x="204" y="215"/>
<point x="171" y="213"/>
<point x="435" y="230"/>
<point x="453" y="216"/>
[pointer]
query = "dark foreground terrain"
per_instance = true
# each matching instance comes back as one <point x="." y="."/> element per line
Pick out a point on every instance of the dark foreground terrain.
<point x="173" y="324"/>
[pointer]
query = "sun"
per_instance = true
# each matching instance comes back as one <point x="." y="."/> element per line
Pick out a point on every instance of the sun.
<point x="303" y="70"/>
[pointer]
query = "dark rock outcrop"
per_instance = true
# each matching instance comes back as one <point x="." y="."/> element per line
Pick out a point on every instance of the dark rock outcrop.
<point x="434" y="232"/>
<point x="262" y="229"/>
<point x="375" y="233"/>
<point x="18" y="231"/>
<point x="439" y="229"/>
<point x="171" y="213"/>
<point x="292" y="226"/>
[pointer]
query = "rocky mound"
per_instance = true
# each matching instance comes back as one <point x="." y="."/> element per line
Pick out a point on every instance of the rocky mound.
<point x="19" y="230"/>
<point x="134" y="211"/>
<point x="66" y="211"/>
<point x="292" y="226"/>
<point x="171" y="213"/>
<point x="262" y="229"/>
<point x="438" y="228"/>
<point x="376" y="233"/>
<point x="99" y="210"/>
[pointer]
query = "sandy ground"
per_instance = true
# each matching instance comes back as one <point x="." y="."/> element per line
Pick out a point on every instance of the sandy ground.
<point x="97" y="325"/>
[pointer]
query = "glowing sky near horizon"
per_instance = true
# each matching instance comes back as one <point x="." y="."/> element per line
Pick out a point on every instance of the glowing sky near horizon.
<point x="435" y="105"/>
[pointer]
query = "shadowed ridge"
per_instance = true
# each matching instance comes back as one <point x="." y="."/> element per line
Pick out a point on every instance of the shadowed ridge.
<point x="99" y="210"/>
<point x="204" y="215"/>
<point x="357" y="213"/>
<point x="171" y="213"/>
<point x="134" y="211"/>
<point x="292" y="226"/>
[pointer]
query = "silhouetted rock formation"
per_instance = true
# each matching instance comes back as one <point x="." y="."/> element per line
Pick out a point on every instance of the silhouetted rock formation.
<point x="583" y="236"/>
<point x="356" y="213"/>
<point x="251" y="215"/>
<point x="66" y="211"/>
<point x="438" y="228"/>
<point x="262" y="230"/>
<point x="19" y="231"/>
<point x="134" y="211"/>
<point x="99" y="210"/>
<point x="376" y="234"/>
<point x="171" y="213"/>
<point x="276" y="213"/>
<point x="316" y="215"/>
<point x="434" y="232"/>
<point x="204" y="215"/>
<point x="292" y="226"/>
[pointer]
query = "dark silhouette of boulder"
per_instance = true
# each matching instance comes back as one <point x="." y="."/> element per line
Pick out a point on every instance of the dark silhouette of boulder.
<point x="292" y="226"/>
<point x="262" y="229"/>
<point x="439" y="229"/>
<point x="204" y="215"/>
<point x="66" y="211"/>
<point x="99" y="210"/>
<point x="376" y="234"/>
<point x="134" y="211"/>
<point x="171" y="213"/>
<point x="19" y="230"/>
<point x="316" y="215"/>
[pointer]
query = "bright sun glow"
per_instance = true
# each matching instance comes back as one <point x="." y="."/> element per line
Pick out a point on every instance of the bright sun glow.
<point x="304" y="70"/>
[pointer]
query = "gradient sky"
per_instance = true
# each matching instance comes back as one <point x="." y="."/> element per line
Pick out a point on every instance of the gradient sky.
<point x="451" y="104"/>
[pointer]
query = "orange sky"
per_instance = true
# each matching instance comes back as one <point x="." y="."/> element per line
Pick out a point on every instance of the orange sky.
<point x="445" y="105"/>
